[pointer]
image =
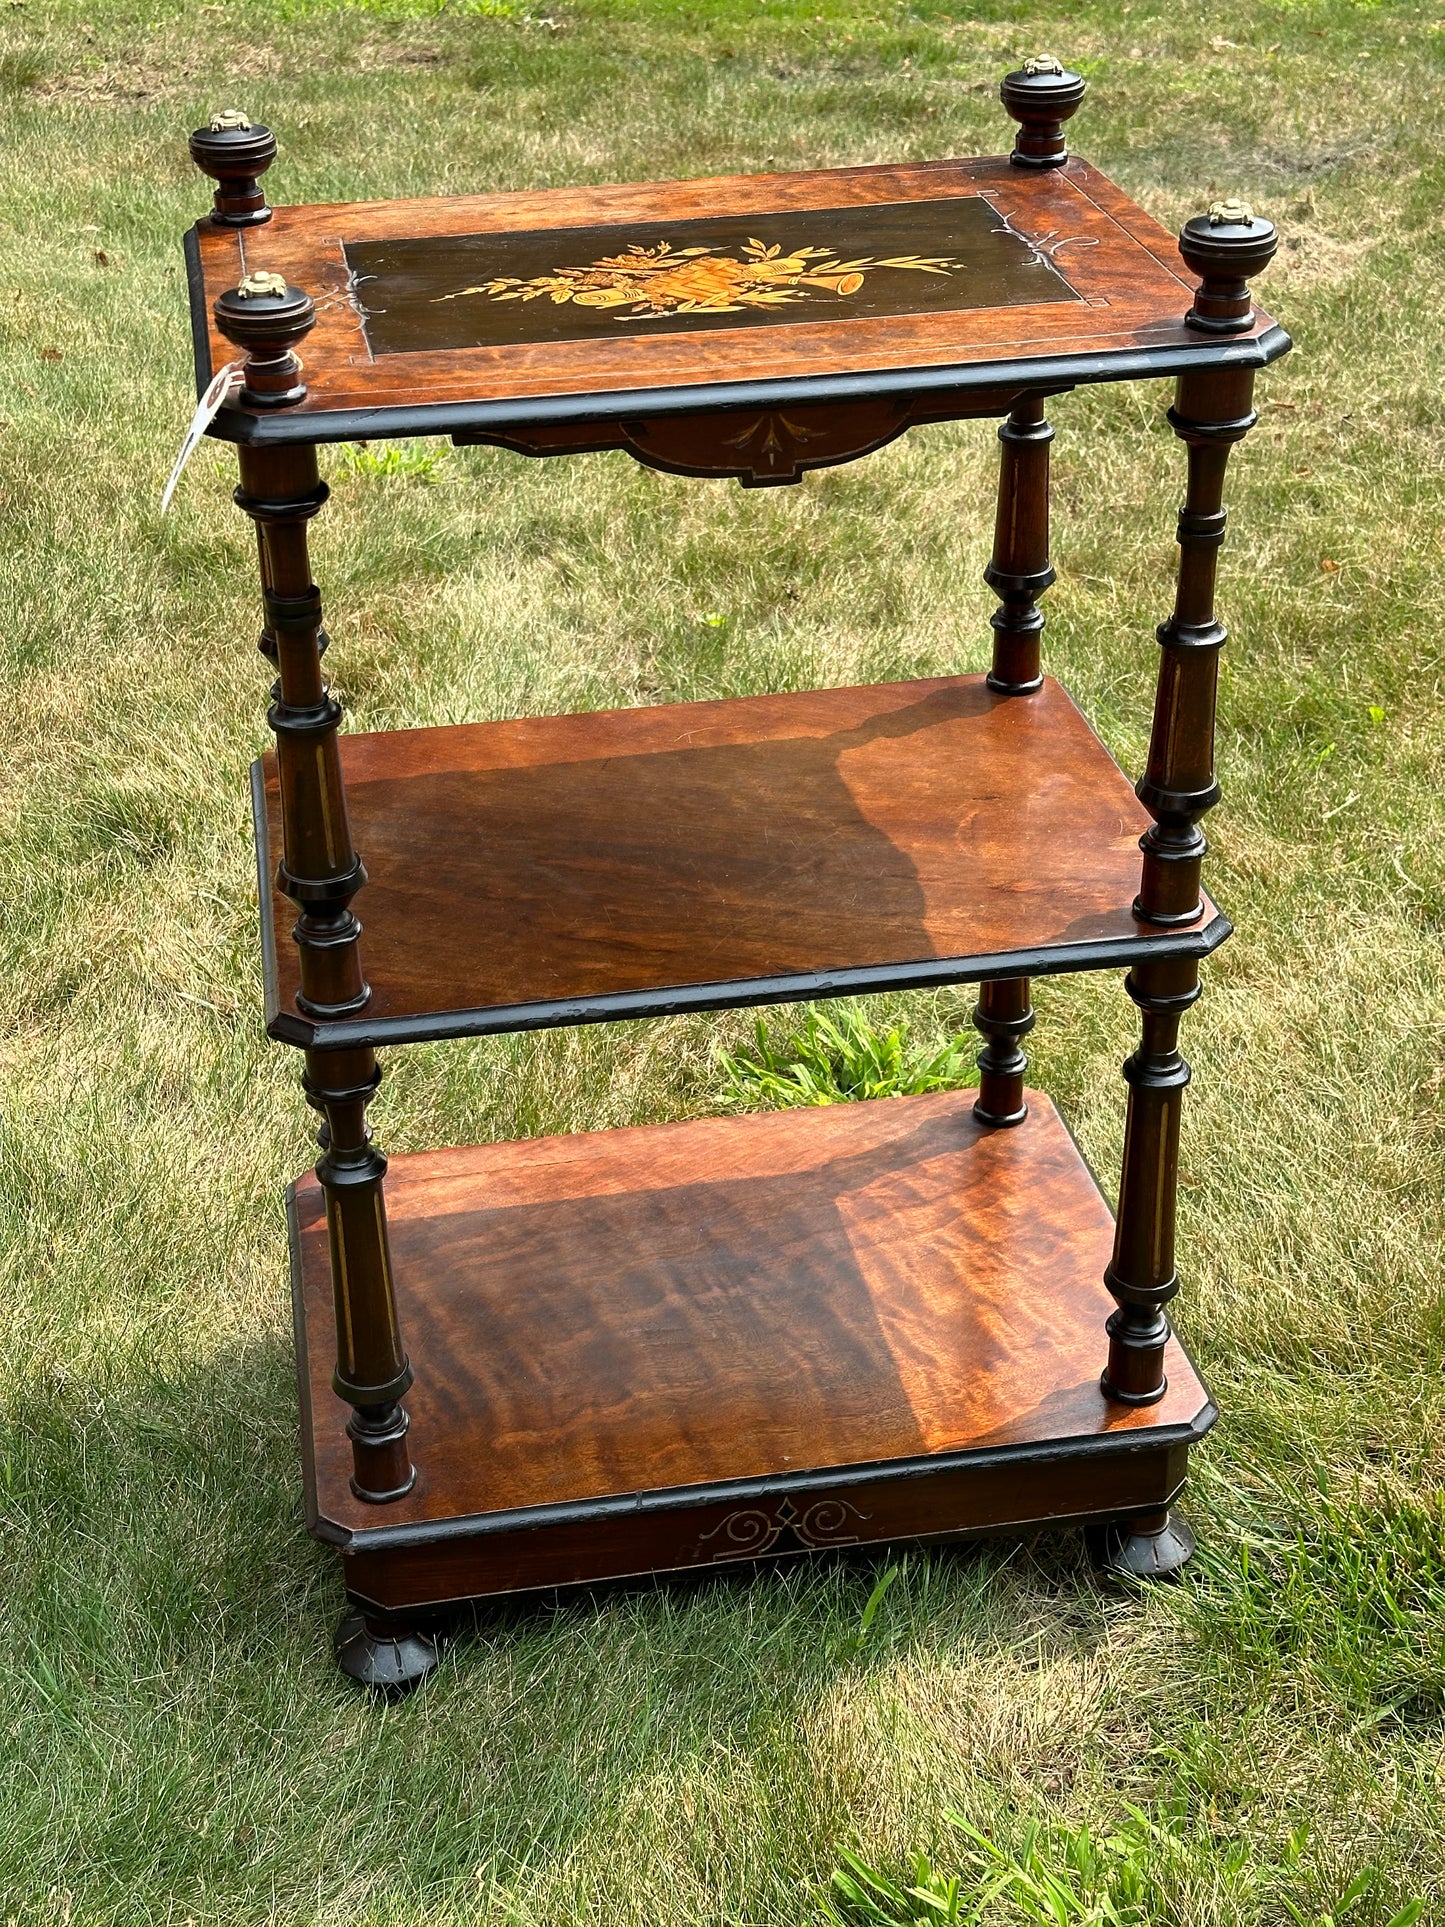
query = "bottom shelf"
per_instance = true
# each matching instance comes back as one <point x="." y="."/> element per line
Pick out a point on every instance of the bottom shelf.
<point x="653" y="1349"/>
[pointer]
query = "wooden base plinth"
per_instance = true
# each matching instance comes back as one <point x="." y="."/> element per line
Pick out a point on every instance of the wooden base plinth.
<point x="662" y="1349"/>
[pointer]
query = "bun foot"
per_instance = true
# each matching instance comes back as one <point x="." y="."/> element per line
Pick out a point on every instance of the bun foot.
<point x="391" y="1659"/>
<point x="1151" y="1545"/>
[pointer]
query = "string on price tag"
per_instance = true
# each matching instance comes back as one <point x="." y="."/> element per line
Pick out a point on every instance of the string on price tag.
<point x="207" y="408"/>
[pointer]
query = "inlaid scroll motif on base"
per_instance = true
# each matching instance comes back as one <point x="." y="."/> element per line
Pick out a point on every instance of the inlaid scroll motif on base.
<point x="752" y="1531"/>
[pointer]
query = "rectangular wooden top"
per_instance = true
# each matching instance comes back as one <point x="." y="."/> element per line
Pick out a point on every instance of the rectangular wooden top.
<point x="598" y="303"/>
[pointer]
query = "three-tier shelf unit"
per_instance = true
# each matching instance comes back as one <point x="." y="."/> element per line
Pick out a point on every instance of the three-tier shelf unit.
<point x="532" y="1365"/>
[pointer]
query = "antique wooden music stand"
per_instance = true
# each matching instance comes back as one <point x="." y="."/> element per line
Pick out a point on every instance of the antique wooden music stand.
<point x="537" y="1364"/>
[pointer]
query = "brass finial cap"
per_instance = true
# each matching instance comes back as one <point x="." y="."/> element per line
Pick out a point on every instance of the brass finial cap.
<point x="1041" y="95"/>
<point x="252" y="287"/>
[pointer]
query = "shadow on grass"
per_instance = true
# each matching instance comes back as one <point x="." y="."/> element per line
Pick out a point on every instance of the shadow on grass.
<point x="176" y="1496"/>
<point x="179" y="1720"/>
<point x="177" y="1725"/>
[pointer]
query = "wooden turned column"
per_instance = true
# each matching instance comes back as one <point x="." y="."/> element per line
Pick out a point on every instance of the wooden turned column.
<point x="1018" y="573"/>
<point x="1003" y="1016"/>
<point x="1141" y="1275"/>
<point x="321" y="873"/>
<point x="1019" y="570"/>
<point x="1211" y="412"/>
<point x="372" y="1372"/>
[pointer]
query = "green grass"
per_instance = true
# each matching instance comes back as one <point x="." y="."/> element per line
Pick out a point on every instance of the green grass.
<point x="1069" y="1877"/>
<point x="174" y="1744"/>
<point x="840" y="1057"/>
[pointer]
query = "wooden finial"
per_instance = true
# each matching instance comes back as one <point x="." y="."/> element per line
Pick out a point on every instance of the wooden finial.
<point x="1224" y="248"/>
<point x="1041" y="95"/>
<point x="235" y="152"/>
<point x="267" y="317"/>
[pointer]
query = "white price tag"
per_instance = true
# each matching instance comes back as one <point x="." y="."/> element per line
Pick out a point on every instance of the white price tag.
<point x="207" y="409"/>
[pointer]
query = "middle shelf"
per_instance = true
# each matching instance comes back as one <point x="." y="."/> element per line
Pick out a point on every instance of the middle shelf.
<point x="699" y="856"/>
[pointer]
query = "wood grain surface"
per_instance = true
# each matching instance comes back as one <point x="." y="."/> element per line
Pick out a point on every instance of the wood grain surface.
<point x="681" y="1305"/>
<point x="759" y="838"/>
<point x="1124" y="269"/>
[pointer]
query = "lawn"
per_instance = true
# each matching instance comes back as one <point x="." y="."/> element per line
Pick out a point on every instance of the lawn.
<point x="1263" y="1743"/>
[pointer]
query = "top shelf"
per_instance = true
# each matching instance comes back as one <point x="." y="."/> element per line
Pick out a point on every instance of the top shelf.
<point x="961" y="281"/>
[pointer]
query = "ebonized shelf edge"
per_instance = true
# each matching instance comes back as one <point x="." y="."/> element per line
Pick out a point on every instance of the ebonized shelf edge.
<point x="1049" y="372"/>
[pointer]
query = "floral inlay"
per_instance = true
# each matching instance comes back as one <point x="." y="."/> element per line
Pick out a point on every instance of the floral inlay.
<point x="646" y="282"/>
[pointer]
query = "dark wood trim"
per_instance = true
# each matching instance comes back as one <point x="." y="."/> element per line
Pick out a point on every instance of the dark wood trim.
<point x="200" y="332"/>
<point x="270" y="984"/>
<point x="289" y="1028"/>
<point x="775" y="446"/>
<point x="1049" y="373"/>
<point x="303" y="1382"/>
